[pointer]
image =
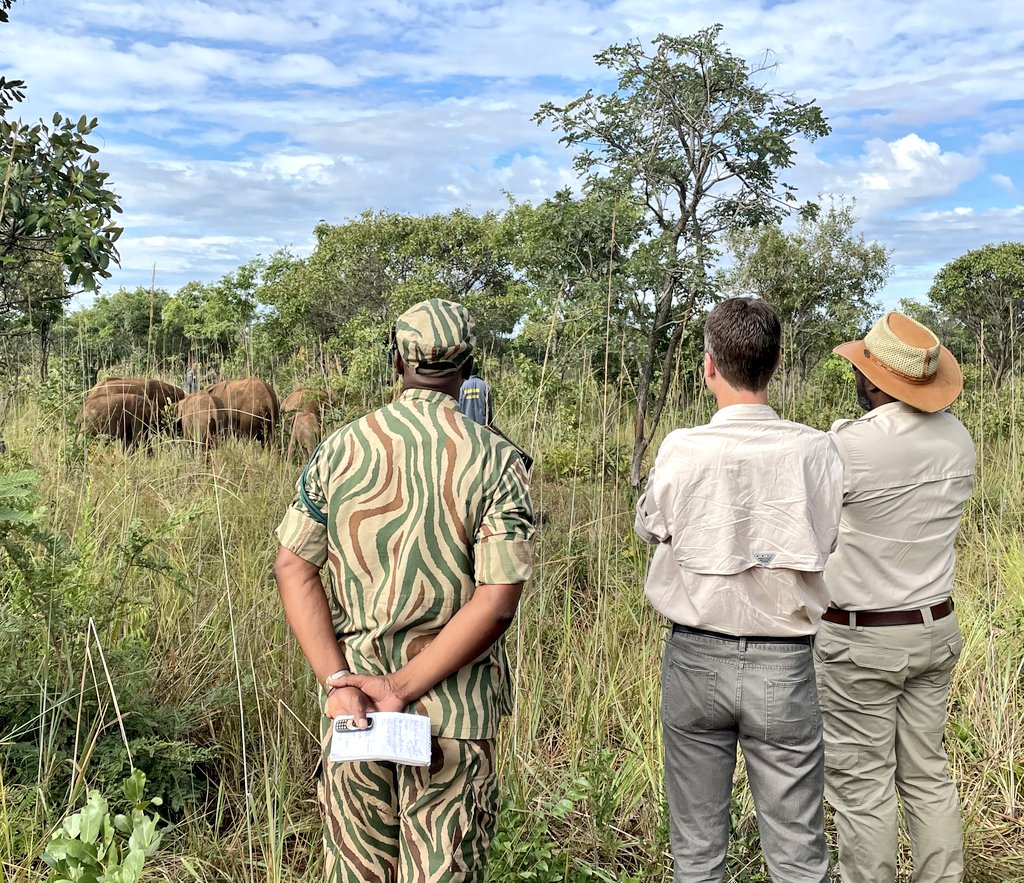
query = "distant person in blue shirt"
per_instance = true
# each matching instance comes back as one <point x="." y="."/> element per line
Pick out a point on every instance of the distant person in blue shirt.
<point x="475" y="400"/>
<point x="477" y="403"/>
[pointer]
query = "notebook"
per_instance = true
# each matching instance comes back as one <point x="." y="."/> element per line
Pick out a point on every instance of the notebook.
<point x="392" y="735"/>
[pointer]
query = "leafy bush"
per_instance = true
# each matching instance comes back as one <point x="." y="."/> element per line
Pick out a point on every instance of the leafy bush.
<point x="55" y="603"/>
<point x="91" y="845"/>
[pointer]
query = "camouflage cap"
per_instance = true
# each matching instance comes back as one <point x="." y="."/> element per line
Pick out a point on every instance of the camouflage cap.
<point x="435" y="337"/>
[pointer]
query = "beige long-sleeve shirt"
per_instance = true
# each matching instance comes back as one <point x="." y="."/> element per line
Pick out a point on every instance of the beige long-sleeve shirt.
<point x="745" y="511"/>
<point x="907" y="477"/>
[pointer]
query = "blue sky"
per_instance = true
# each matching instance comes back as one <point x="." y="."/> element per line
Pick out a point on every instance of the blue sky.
<point x="230" y="127"/>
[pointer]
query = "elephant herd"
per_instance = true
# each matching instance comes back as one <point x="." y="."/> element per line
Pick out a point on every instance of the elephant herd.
<point x="134" y="409"/>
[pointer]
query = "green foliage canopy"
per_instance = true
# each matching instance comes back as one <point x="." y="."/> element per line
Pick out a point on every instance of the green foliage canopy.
<point x="982" y="291"/>
<point x="821" y="278"/>
<point x="693" y="135"/>
<point x="367" y="271"/>
<point x="55" y="200"/>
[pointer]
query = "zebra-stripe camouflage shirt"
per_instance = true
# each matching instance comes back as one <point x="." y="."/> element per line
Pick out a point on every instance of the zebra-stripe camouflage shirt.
<point x="411" y="507"/>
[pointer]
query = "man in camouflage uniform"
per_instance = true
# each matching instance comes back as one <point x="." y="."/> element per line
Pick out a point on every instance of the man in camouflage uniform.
<point x="424" y="520"/>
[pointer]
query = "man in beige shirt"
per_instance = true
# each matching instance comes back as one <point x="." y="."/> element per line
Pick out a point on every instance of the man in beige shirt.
<point x="888" y="644"/>
<point x="744" y="511"/>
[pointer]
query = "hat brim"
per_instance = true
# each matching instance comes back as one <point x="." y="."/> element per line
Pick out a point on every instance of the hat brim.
<point x="935" y="395"/>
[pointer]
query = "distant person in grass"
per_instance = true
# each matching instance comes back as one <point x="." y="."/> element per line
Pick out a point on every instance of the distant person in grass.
<point x="423" y="519"/>
<point x="887" y="648"/>
<point x="476" y="400"/>
<point x="744" y="512"/>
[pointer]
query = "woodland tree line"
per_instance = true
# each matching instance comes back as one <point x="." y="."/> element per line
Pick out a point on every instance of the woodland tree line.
<point x="682" y="198"/>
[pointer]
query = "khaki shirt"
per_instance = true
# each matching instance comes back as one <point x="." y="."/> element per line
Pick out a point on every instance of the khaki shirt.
<point x="745" y="511"/>
<point x="411" y="507"/>
<point x="908" y="475"/>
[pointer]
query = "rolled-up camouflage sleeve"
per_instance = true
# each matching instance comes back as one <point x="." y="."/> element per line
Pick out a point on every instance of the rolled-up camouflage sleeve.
<point x="303" y="530"/>
<point x="503" y="547"/>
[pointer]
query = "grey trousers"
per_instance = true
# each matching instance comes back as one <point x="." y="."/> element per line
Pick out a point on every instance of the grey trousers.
<point x="718" y="691"/>
<point x="883" y="699"/>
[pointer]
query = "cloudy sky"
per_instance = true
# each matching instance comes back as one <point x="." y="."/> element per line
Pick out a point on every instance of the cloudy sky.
<point x="230" y="127"/>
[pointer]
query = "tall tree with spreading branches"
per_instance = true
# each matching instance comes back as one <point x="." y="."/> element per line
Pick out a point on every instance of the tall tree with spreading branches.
<point x="694" y="136"/>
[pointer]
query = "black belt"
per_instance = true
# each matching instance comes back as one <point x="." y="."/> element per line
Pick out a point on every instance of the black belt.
<point x="873" y="618"/>
<point x="808" y="640"/>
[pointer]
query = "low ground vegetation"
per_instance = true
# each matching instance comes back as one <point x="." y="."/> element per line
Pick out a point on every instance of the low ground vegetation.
<point x="141" y="629"/>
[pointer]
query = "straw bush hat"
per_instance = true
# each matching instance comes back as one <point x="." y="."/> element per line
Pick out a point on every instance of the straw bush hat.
<point x="906" y="360"/>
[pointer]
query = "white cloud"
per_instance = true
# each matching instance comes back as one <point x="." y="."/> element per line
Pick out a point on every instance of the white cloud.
<point x="893" y="174"/>
<point x="1006" y="182"/>
<point x="230" y="126"/>
<point x="999" y="142"/>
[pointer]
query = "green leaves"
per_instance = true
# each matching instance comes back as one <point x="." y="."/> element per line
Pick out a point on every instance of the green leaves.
<point x="57" y="202"/>
<point x="19" y="499"/>
<point x="980" y="295"/>
<point x="134" y="786"/>
<point x="92" y="846"/>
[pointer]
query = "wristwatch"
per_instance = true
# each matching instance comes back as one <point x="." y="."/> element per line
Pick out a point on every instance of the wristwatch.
<point x="329" y="688"/>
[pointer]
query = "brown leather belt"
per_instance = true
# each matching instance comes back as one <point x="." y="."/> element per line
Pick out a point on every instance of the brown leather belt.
<point x="872" y="618"/>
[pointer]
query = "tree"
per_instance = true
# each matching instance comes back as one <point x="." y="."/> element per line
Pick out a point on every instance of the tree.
<point x="55" y="211"/>
<point x="821" y="279"/>
<point x="694" y="137"/>
<point x="120" y="327"/>
<point x="982" y="291"/>
<point x="216" y="318"/>
<point x="365" y="272"/>
<point x="574" y="253"/>
<point x="55" y="201"/>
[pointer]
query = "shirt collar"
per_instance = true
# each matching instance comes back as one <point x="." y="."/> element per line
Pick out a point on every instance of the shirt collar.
<point x="889" y="409"/>
<point x="744" y="412"/>
<point x="434" y="396"/>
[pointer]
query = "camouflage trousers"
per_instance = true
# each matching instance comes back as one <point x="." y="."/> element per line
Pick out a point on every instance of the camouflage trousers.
<point x="392" y="823"/>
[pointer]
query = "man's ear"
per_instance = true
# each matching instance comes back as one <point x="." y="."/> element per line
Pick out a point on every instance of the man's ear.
<point x="397" y="364"/>
<point x="710" y="369"/>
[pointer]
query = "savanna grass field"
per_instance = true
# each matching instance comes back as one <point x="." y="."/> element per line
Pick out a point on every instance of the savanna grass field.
<point x="141" y="628"/>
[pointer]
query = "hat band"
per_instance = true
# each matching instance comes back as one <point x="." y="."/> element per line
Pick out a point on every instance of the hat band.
<point x="910" y="378"/>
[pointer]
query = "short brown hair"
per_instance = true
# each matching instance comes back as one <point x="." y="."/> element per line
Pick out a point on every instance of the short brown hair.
<point x="743" y="336"/>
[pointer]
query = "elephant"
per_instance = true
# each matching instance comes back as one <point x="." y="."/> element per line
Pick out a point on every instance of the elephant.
<point x="305" y="435"/>
<point x="304" y="398"/>
<point x="201" y="418"/>
<point x="159" y="392"/>
<point x="121" y="415"/>
<point x="296" y="400"/>
<point x="250" y="405"/>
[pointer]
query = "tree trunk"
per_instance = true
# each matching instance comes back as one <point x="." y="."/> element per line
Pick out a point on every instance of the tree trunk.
<point x="641" y="438"/>
<point x="645" y="430"/>
<point x="44" y="350"/>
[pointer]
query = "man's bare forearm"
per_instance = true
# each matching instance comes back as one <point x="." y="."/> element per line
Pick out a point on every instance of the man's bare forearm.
<point x="467" y="636"/>
<point x="305" y="606"/>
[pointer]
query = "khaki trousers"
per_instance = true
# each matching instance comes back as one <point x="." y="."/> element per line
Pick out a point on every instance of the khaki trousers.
<point x="883" y="693"/>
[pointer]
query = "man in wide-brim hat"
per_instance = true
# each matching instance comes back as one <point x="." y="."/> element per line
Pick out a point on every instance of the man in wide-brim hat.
<point x="889" y="642"/>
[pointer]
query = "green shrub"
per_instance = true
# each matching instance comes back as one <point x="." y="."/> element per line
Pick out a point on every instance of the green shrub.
<point x="91" y="846"/>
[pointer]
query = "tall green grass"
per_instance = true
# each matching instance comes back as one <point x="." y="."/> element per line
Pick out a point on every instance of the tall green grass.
<point x="154" y="629"/>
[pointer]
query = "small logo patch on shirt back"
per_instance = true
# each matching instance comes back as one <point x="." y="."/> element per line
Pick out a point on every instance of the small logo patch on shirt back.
<point x="764" y="558"/>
